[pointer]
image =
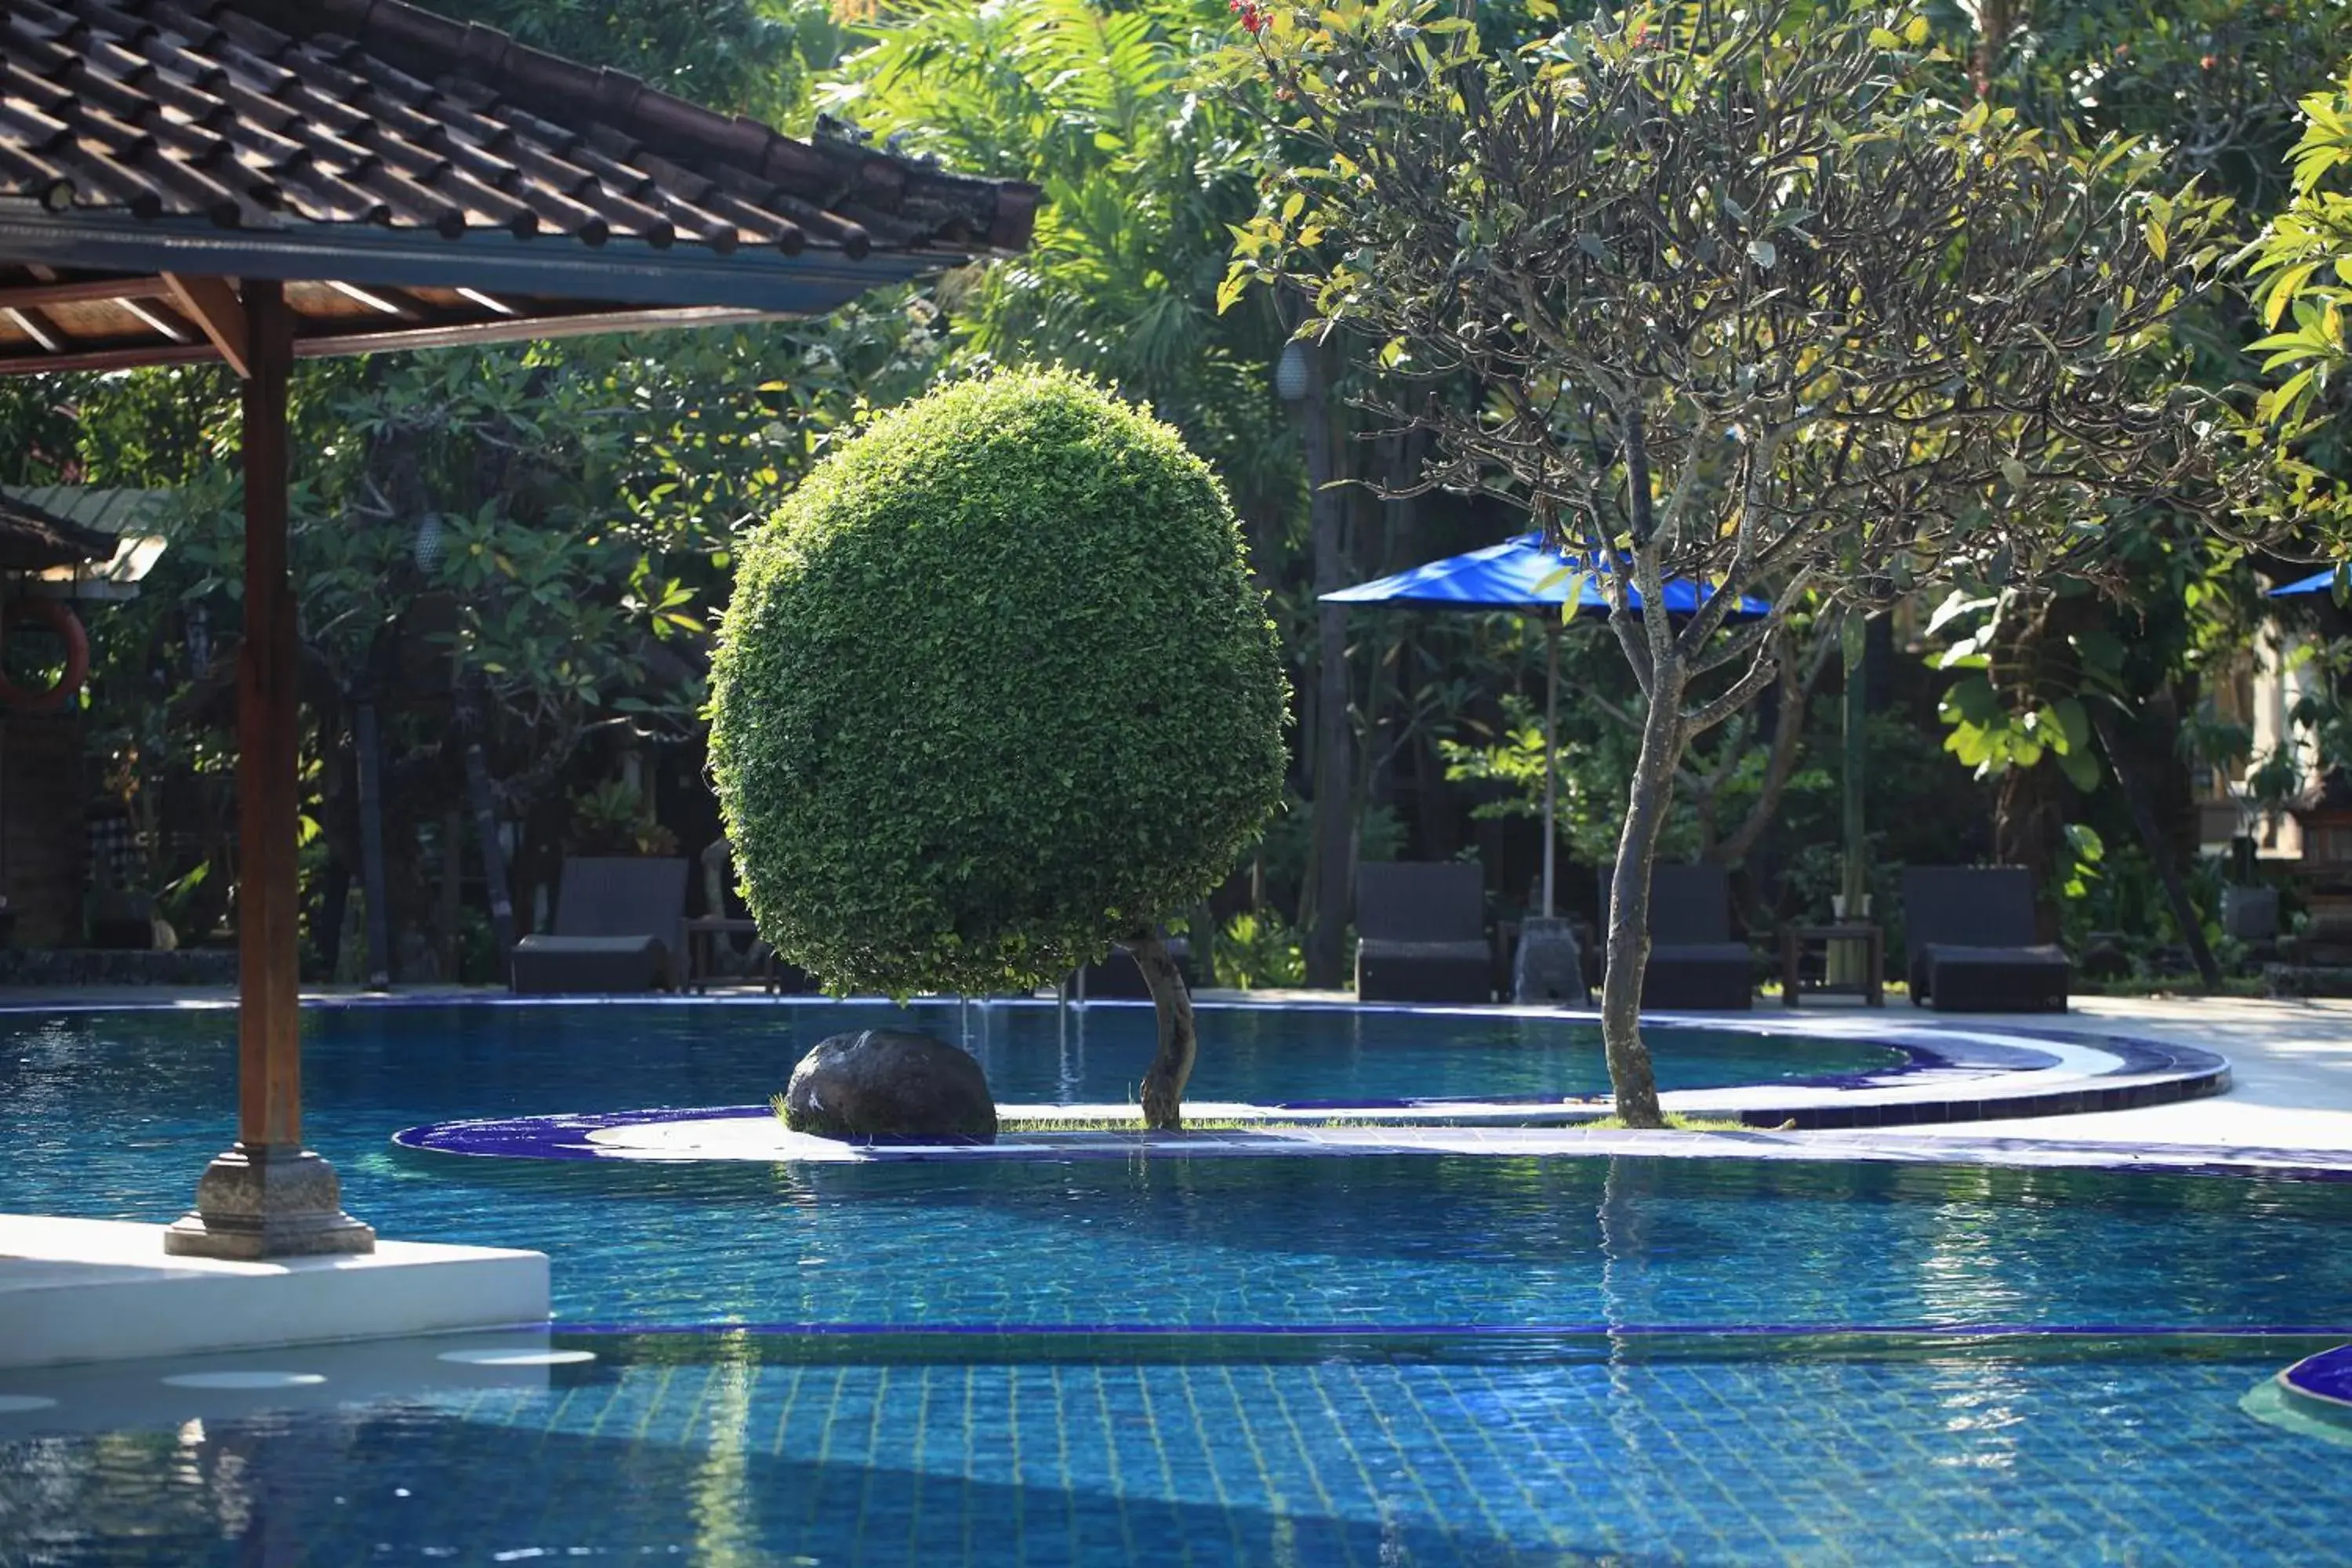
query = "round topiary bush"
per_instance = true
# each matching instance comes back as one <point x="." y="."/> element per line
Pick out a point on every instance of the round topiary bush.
<point x="994" y="692"/>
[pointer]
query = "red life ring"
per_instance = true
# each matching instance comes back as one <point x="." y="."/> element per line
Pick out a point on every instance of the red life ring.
<point x="53" y="614"/>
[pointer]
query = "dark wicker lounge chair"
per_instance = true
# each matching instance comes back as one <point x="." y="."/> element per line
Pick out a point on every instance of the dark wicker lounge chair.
<point x="620" y="925"/>
<point x="1421" y="932"/>
<point x="1970" y="932"/>
<point x="1695" y="961"/>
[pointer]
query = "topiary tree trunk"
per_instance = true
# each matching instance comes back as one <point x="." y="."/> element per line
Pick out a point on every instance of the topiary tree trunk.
<point x="1171" y="1064"/>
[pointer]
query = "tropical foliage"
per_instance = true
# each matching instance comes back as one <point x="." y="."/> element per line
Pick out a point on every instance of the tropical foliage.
<point x="519" y="554"/>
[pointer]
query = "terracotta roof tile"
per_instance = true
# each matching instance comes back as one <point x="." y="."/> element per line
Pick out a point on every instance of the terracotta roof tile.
<point x="266" y="115"/>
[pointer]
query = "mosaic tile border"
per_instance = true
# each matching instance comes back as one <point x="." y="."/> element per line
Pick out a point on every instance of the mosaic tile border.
<point x="2321" y="1385"/>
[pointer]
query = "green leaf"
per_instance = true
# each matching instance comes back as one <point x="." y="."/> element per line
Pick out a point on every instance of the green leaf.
<point x="2100" y="650"/>
<point x="1974" y="700"/>
<point x="2073" y="726"/>
<point x="2081" y="768"/>
<point x="2280" y="292"/>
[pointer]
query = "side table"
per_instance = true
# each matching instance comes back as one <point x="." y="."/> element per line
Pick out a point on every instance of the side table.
<point x="1795" y="939"/>
<point x="701" y="950"/>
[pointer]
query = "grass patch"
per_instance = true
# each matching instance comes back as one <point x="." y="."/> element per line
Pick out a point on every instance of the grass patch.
<point x="1135" y="1123"/>
<point x="1270" y="1123"/>
<point x="1674" y="1124"/>
<point x="1192" y="1123"/>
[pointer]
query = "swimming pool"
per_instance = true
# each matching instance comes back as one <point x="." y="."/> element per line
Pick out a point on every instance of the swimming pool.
<point x="1374" y="1360"/>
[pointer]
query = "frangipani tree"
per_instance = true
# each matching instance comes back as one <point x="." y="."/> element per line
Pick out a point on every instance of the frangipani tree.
<point x="1747" y="301"/>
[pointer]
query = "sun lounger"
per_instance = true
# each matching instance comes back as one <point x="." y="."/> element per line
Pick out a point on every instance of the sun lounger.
<point x="1971" y="939"/>
<point x="1695" y="962"/>
<point x="620" y="925"/>
<point x="1420" y="931"/>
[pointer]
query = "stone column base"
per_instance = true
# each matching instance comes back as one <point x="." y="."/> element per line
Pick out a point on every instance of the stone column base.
<point x="259" y="1202"/>
<point x="1549" y="966"/>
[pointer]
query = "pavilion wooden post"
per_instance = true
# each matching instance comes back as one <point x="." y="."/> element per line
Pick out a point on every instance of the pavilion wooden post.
<point x="267" y="1196"/>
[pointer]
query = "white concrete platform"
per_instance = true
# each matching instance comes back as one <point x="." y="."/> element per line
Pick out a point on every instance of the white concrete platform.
<point x="86" y="1290"/>
<point x="2290" y="1077"/>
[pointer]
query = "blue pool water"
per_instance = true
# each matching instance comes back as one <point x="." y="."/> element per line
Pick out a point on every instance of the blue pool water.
<point x="1390" y="1360"/>
<point x="482" y="1061"/>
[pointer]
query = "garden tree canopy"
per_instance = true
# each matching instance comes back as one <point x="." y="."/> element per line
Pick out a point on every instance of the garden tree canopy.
<point x="1746" y="304"/>
<point x="585" y="495"/>
<point x="2303" y="268"/>
<point x="1143" y="173"/>
<point x="750" y="57"/>
<point x="994" y="692"/>
<point x="2215" y="85"/>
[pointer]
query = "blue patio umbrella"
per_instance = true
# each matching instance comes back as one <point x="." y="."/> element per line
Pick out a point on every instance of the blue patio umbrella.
<point x="1520" y="574"/>
<point x="2318" y="582"/>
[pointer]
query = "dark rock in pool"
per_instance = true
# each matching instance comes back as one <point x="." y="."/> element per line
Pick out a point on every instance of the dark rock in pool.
<point x="887" y="1083"/>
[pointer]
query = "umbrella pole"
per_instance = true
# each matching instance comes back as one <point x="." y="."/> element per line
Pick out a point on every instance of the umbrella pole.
<point x="1551" y="758"/>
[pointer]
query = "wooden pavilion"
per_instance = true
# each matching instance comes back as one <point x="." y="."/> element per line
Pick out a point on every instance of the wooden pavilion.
<point x="257" y="181"/>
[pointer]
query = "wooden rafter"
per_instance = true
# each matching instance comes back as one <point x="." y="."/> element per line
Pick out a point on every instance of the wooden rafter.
<point x="397" y="303"/>
<point x="161" y="319"/>
<point x="37" y="326"/>
<point x="328" y="339"/>
<point x="83" y="291"/>
<point x="213" y="306"/>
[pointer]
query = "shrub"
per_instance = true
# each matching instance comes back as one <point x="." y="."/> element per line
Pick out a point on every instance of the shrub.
<point x="995" y="690"/>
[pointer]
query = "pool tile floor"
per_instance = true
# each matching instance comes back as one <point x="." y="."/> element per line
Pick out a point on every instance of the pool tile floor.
<point x="721" y="1460"/>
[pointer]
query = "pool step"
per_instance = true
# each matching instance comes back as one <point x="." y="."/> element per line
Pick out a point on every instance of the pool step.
<point x="87" y="1290"/>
